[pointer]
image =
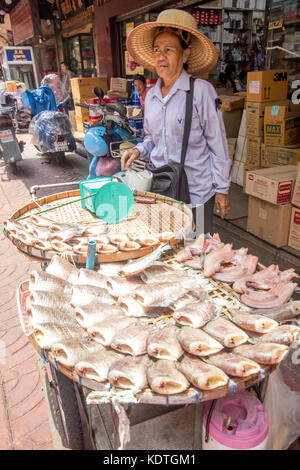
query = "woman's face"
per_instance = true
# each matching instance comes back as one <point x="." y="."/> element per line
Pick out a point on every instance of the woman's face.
<point x="168" y="56"/>
<point x="139" y="86"/>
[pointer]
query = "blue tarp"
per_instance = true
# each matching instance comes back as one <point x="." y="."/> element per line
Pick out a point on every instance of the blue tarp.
<point x="42" y="99"/>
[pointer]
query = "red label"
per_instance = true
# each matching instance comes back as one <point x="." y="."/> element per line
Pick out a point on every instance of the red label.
<point x="284" y="194"/>
<point x="297" y="218"/>
<point x="250" y="177"/>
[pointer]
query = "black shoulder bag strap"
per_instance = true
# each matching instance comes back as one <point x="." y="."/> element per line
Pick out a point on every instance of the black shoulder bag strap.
<point x="188" y="120"/>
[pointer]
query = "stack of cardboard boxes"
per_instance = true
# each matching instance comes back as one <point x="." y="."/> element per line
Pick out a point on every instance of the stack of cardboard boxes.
<point x="119" y="88"/>
<point x="294" y="235"/>
<point x="82" y="90"/>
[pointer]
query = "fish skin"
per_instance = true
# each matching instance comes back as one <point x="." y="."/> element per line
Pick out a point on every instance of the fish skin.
<point x="264" y="353"/>
<point x="283" y="334"/>
<point x="226" y="332"/>
<point x="41" y="233"/>
<point x="202" y="375"/>
<point x="192" y="297"/>
<point x="69" y="352"/>
<point x="281" y="313"/>
<point x="52" y="333"/>
<point x="276" y="296"/>
<point x="132" y="339"/>
<point x="156" y="271"/>
<point x="95" y="312"/>
<point x="164" y="378"/>
<point x="118" y="287"/>
<point x="108" y="329"/>
<point x="129" y="372"/>
<point x="43" y="245"/>
<point x="234" y="365"/>
<point x="135" y="267"/>
<point x="230" y="274"/>
<point x="50" y="299"/>
<point x="96" y="366"/>
<point x="110" y="269"/>
<point x="40" y="220"/>
<point x="40" y="314"/>
<point x="83" y="295"/>
<point x="49" y="283"/>
<point x="62" y="268"/>
<point x="214" y="259"/>
<point x="252" y="322"/>
<point x="90" y="277"/>
<point x="67" y="234"/>
<point x="195" y="315"/>
<point x="165" y="293"/>
<point x="197" y="342"/>
<point x="162" y="343"/>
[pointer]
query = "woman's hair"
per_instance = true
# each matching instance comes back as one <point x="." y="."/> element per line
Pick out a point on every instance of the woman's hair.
<point x="229" y="69"/>
<point x="141" y="78"/>
<point x="184" y="44"/>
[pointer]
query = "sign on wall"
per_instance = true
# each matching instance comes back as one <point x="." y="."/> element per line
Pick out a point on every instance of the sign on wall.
<point x="18" y="55"/>
<point x="131" y="67"/>
<point x="22" y="22"/>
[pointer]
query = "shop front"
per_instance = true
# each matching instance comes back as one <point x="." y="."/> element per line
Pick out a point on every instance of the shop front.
<point x="18" y="64"/>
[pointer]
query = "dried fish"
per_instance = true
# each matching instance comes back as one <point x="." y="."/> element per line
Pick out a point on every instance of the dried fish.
<point x="197" y="342"/>
<point x="103" y="332"/>
<point x="196" y="314"/>
<point x="215" y="258"/>
<point x="226" y="332"/>
<point x="132" y="339"/>
<point x="276" y="296"/>
<point x="116" y="238"/>
<point x="42" y="233"/>
<point x="92" y="278"/>
<point x="61" y="268"/>
<point x="118" y="287"/>
<point x="47" y="282"/>
<point x="39" y="314"/>
<point x="96" y="230"/>
<point x="284" y="334"/>
<point x="49" y="299"/>
<point x="264" y="353"/>
<point x="166" y="236"/>
<point x="148" y="240"/>
<point x="13" y="227"/>
<point x="69" y="352"/>
<point x="60" y="246"/>
<point x="46" y="334"/>
<point x="83" y="295"/>
<point x="134" y="267"/>
<point x="202" y="375"/>
<point x="129" y="246"/>
<point x="194" y="296"/>
<point x="129" y="373"/>
<point x="234" y="365"/>
<point x="281" y="313"/>
<point x="164" y="378"/>
<point x="131" y="307"/>
<point x="95" y="312"/>
<point x="110" y="269"/>
<point x="165" y="293"/>
<point x="26" y="238"/>
<point x="162" y="343"/>
<point x="252" y="322"/>
<point x="156" y="271"/>
<point x="41" y="221"/>
<point x="43" y="245"/>
<point x="67" y="234"/>
<point x="96" y="366"/>
<point x="106" y="248"/>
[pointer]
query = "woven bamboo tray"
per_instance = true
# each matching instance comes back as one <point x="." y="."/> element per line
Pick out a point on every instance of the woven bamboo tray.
<point x="190" y="396"/>
<point x="165" y="215"/>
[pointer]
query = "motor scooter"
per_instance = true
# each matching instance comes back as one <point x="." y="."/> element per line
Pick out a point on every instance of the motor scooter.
<point x="105" y="138"/>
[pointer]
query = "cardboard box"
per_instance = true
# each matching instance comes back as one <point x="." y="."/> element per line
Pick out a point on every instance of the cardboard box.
<point x="268" y="221"/>
<point x="119" y="84"/>
<point x="232" y="121"/>
<point x="255" y="116"/>
<point x="240" y="156"/>
<point x="289" y="155"/>
<point x="294" y="235"/>
<point x="231" y="147"/>
<point x="83" y="88"/>
<point x="273" y="185"/>
<point x="296" y="193"/>
<point x="281" y="127"/>
<point x="11" y="86"/>
<point x="230" y="103"/>
<point x="269" y="85"/>
<point x="254" y="151"/>
<point x="117" y="94"/>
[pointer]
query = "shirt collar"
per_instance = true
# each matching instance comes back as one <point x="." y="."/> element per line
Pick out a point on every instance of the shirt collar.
<point x="182" y="83"/>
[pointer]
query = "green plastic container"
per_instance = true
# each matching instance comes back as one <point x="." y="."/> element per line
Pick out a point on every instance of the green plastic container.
<point x="113" y="201"/>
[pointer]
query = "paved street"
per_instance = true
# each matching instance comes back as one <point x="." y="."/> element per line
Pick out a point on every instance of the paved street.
<point x="24" y="418"/>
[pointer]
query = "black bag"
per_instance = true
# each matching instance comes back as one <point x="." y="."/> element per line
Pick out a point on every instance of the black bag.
<point x="170" y="180"/>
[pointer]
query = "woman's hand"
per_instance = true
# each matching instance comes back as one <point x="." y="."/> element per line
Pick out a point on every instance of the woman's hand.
<point x="222" y="203"/>
<point x="128" y="157"/>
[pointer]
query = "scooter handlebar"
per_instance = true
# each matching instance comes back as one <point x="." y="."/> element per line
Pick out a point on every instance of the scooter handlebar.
<point x="86" y="106"/>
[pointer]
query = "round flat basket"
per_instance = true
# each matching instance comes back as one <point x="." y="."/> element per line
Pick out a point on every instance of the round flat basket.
<point x="152" y="214"/>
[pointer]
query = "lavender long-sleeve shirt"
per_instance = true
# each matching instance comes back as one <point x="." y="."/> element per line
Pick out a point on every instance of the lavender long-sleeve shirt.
<point x="207" y="162"/>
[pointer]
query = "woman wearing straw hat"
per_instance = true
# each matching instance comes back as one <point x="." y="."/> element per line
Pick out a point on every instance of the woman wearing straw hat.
<point x="174" y="49"/>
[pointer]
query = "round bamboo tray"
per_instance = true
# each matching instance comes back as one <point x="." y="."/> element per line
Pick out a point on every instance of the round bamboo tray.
<point x="147" y="396"/>
<point x="165" y="215"/>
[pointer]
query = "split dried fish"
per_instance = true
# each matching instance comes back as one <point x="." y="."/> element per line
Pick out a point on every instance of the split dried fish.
<point x="43" y="245"/>
<point x="116" y="238"/>
<point x="164" y="378"/>
<point x="92" y="278"/>
<point x="202" y="375"/>
<point x="252" y="322"/>
<point x="96" y="366"/>
<point x="106" y="248"/>
<point x="118" y="287"/>
<point x="135" y="267"/>
<point x="46" y="334"/>
<point x="132" y="339"/>
<point x="284" y="334"/>
<point x="13" y="227"/>
<point x="61" y="268"/>
<point x="67" y="234"/>
<point x="26" y="238"/>
<point x="265" y="353"/>
<point x="215" y="258"/>
<point x="129" y="373"/>
<point x="281" y="313"/>
<point x="96" y="230"/>
<point x="195" y="315"/>
<point x="60" y="246"/>
<point x="193" y="297"/>
<point x="41" y="221"/>
<point x="197" y="342"/>
<point x="164" y="294"/>
<point x="110" y="269"/>
<point x="148" y="240"/>
<point x="276" y="296"/>
<point x="156" y="271"/>
<point x="234" y="365"/>
<point x="48" y="283"/>
<point x="95" y="312"/>
<point x="129" y="246"/>
<point x="83" y="295"/>
<point x="52" y="300"/>
<point x="162" y="343"/>
<point x="42" y="233"/>
<point x="226" y="332"/>
<point x="104" y="332"/>
<point x="69" y="352"/>
<point x="39" y="314"/>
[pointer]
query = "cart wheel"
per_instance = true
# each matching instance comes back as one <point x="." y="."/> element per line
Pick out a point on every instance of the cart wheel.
<point x="13" y="167"/>
<point x="64" y="409"/>
<point x="61" y="158"/>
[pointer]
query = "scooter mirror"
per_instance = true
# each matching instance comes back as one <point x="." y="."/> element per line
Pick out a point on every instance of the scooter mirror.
<point x="99" y="93"/>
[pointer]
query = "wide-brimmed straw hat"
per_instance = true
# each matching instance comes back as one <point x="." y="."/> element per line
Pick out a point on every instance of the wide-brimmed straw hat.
<point x="203" y="56"/>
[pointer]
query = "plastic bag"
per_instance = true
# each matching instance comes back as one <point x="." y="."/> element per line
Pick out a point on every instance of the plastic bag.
<point x="47" y="126"/>
<point x="283" y="407"/>
<point x="108" y="166"/>
<point x="54" y="82"/>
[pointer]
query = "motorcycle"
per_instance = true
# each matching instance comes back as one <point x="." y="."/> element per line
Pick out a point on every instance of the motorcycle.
<point x="105" y="138"/>
<point x="10" y="148"/>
